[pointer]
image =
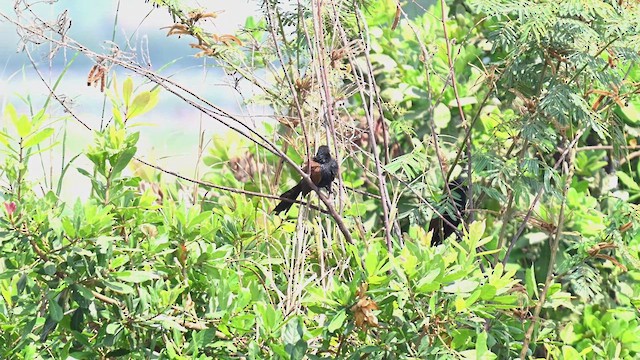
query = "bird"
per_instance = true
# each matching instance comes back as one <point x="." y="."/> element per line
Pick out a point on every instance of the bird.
<point x="322" y="170"/>
<point x="442" y="230"/>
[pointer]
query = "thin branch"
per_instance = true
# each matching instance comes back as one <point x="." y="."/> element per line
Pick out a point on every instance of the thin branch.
<point x="465" y="125"/>
<point x="382" y="184"/>
<point x="539" y="195"/>
<point x="552" y="259"/>
<point x="227" y="188"/>
<point x="213" y="111"/>
<point x="606" y="147"/>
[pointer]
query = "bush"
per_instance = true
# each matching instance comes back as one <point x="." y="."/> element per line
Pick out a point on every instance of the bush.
<point x="534" y="104"/>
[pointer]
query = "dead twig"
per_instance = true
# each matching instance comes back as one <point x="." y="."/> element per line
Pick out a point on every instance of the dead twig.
<point x="202" y="105"/>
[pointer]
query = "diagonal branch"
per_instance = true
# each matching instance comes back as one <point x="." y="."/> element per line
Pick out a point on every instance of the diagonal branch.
<point x="552" y="259"/>
<point x="539" y="195"/>
<point x="199" y="103"/>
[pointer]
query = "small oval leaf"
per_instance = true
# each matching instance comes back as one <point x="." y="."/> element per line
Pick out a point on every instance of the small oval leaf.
<point x="139" y="104"/>
<point x="119" y="287"/>
<point x="135" y="276"/>
<point x="127" y="89"/>
<point x="23" y="125"/>
<point x="76" y="319"/>
<point x="55" y="311"/>
<point x="337" y="321"/>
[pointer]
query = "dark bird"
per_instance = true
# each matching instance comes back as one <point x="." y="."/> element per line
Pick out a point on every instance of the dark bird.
<point x="322" y="169"/>
<point x="442" y="230"/>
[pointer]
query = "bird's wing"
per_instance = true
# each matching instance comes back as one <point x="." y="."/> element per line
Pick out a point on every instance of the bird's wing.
<point x="315" y="174"/>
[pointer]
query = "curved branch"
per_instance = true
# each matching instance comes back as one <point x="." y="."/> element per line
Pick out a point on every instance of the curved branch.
<point x="212" y="111"/>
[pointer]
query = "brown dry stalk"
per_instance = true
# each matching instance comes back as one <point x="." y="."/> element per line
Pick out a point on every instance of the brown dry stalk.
<point x="202" y="105"/>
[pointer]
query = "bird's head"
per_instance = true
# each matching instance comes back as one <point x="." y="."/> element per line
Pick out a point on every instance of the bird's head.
<point x="323" y="155"/>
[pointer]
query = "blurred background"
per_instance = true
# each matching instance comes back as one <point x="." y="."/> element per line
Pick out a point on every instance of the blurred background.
<point x="171" y="130"/>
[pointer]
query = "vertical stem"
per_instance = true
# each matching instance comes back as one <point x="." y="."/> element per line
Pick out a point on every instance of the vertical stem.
<point x="382" y="183"/>
<point x="21" y="170"/>
<point x="465" y="125"/>
<point x="552" y="259"/>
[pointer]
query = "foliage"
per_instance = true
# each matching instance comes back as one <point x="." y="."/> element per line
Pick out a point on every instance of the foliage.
<point x="537" y="101"/>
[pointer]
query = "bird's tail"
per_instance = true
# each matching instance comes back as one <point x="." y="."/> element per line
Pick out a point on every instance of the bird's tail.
<point x="292" y="195"/>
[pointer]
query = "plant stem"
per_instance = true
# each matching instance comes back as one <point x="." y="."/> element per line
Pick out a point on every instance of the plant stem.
<point x="552" y="259"/>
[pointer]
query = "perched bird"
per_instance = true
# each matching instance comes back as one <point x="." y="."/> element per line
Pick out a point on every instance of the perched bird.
<point x="322" y="169"/>
<point x="442" y="230"/>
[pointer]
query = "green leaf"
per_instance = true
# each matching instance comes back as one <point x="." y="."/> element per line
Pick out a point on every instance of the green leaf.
<point x="408" y="262"/>
<point x="487" y="292"/>
<point x="6" y="293"/>
<point x="293" y="338"/>
<point x="279" y="350"/>
<point x="123" y="160"/>
<point x="118" y="261"/>
<point x="441" y="116"/>
<point x="76" y="319"/>
<point x="139" y="105"/>
<point x="135" y="276"/>
<point x="127" y="89"/>
<point x="530" y="283"/>
<point x="482" y="351"/>
<point x="567" y="334"/>
<point x="270" y="317"/>
<point x="49" y="326"/>
<point x="506" y="299"/>
<point x="460" y="303"/>
<point x="10" y="111"/>
<point x="630" y="113"/>
<point x="119" y="287"/>
<point x="117" y="116"/>
<point x="84" y="292"/>
<point x="117" y="353"/>
<point x="476" y="230"/>
<point x="22" y="125"/>
<point x="356" y="209"/>
<point x="22" y="283"/>
<point x="456" y="272"/>
<point x="428" y="282"/>
<point x="569" y="353"/>
<point x="463" y="101"/>
<point x="49" y="268"/>
<point x="337" y="321"/>
<point x="4" y="138"/>
<point x="371" y="261"/>
<point x="37" y="138"/>
<point x="627" y="180"/>
<point x="55" y="311"/>
<point x="197" y="220"/>
<point x="462" y="286"/>
<point x="473" y="298"/>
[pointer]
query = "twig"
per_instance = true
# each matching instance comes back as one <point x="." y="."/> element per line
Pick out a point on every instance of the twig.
<point x="226" y="188"/>
<point x="465" y="125"/>
<point x="552" y="259"/>
<point x="630" y="157"/>
<point x="213" y="111"/>
<point x="539" y="195"/>
<point x="606" y="147"/>
<point x="289" y="79"/>
<point x="105" y="299"/>
<point x="382" y="184"/>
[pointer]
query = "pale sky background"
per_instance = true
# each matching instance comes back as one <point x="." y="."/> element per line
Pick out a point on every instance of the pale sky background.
<point x="172" y="136"/>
